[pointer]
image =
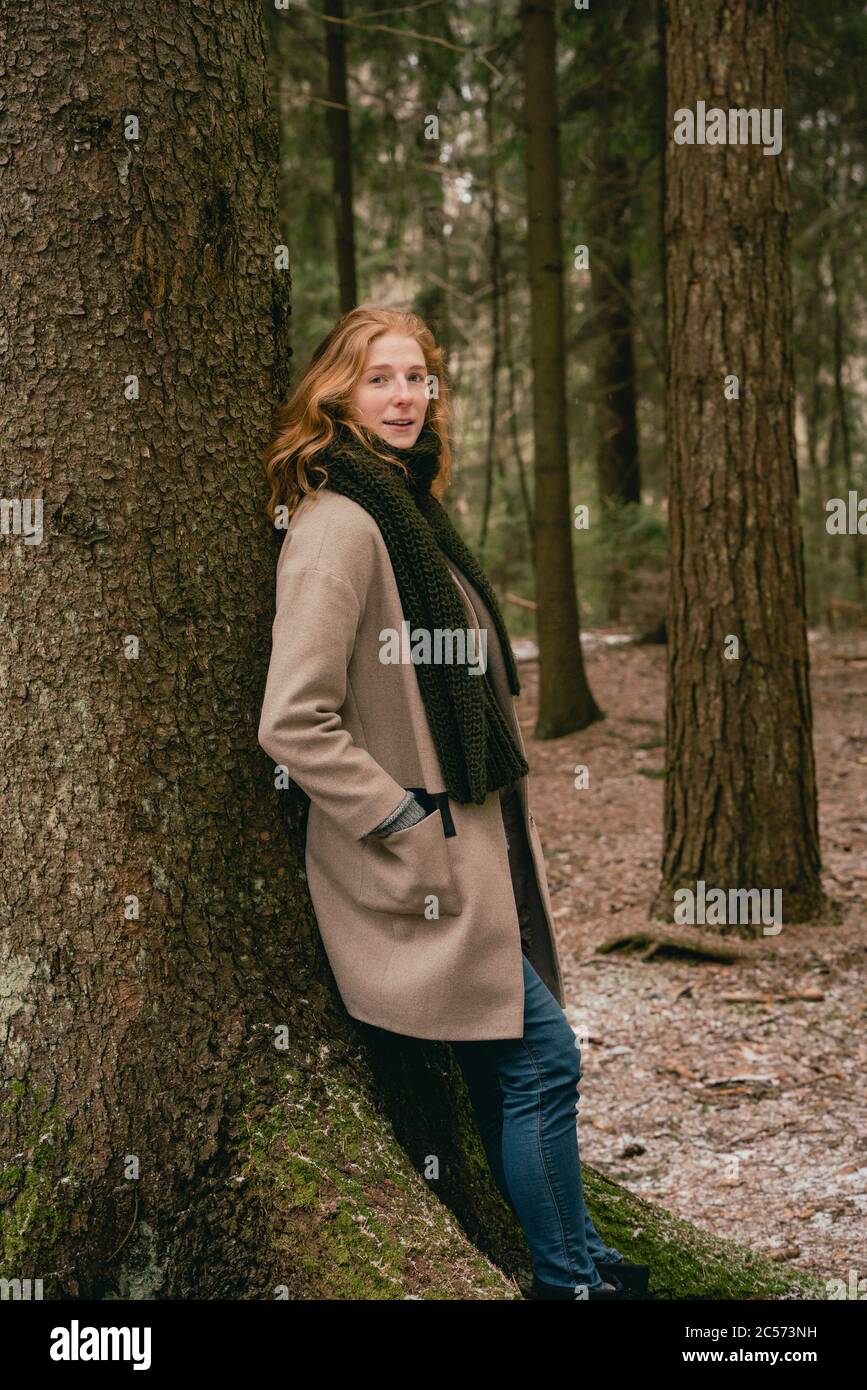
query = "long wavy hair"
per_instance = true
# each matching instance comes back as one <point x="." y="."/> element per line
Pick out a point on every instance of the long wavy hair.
<point x="305" y="424"/>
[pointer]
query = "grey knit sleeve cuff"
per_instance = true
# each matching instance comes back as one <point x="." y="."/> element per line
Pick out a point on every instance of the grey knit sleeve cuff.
<point x="402" y="817"/>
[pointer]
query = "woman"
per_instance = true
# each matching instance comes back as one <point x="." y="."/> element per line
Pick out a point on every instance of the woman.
<point x="390" y="702"/>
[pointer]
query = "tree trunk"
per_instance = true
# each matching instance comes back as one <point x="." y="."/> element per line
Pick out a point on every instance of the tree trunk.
<point x="740" y="802"/>
<point x="842" y="413"/>
<point x="156" y="1137"/>
<point x="432" y="301"/>
<point x="605" y="51"/>
<point x="496" y="264"/>
<point x="340" y="141"/>
<point x="618" y="474"/>
<point x="817" y="606"/>
<point x="513" y="415"/>
<point x="617" y="468"/>
<point x="565" y="700"/>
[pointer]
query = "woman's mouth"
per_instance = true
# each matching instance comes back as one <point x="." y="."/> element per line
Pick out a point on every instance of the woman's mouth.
<point x="398" y="424"/>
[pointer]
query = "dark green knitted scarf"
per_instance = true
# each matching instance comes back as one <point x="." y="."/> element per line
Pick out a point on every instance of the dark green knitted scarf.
<point x="476" y="750"/>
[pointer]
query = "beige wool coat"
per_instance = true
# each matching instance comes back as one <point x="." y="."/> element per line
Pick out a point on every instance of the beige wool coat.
<point x="353" y="733"/>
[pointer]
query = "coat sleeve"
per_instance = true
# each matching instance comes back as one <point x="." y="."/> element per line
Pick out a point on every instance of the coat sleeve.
<point x="313" y="634"/>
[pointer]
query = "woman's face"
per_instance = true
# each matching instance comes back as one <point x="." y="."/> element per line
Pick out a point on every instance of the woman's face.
<point x="389" y="396"/>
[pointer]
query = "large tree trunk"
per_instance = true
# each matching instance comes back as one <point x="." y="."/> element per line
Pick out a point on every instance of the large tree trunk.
<point x="565" y="700"/>
<point x="740" y="803"/>
<point x="156" y="1137"/>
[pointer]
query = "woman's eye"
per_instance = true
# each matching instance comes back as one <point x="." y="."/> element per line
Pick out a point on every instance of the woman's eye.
<point x="414" y="376"/>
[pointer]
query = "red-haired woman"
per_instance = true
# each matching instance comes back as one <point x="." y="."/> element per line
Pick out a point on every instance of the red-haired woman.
<point x="390" y="701"/>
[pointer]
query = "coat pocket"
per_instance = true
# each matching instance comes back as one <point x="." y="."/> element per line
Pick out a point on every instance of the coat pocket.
<point x="403" y="870"/>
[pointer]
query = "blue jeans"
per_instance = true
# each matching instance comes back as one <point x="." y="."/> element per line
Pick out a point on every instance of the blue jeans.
<point x="524" y="1094"/>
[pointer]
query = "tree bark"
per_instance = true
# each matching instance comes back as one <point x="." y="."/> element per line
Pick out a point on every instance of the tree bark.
<point x="842" y="414"/>
<point x="159" y="1136"/>
<point x="813" y="404"/>
<point x="740" y="802"/>
<point x="565" y="699"/>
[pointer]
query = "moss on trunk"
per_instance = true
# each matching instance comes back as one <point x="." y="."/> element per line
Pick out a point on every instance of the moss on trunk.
<point x="349" y="1214"/>
<point x="343" y="1208"/>
<point x="353" y="1217"/>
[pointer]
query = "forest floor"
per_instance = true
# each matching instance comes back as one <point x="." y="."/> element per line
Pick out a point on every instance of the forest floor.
<point x="746" y="1118"/>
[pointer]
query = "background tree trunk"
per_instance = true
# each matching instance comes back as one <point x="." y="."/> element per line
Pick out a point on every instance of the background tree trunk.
<point x="740" y="801"/>
<point x="513" y="413"/>
<point x="814" y="412"/>
<point x="842" y="414"/>
<point x="618" y="472"/>
<point x="434" y="74"/>
<point x="565" y="700"/>
<point x="492" y="457"/>
<point x="340" y="139"/>
<point x="617" y="467"/>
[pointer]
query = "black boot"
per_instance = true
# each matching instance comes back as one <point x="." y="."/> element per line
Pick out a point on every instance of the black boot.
<point x="609" y="1292"/>
<point x="635" y="1277"/>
